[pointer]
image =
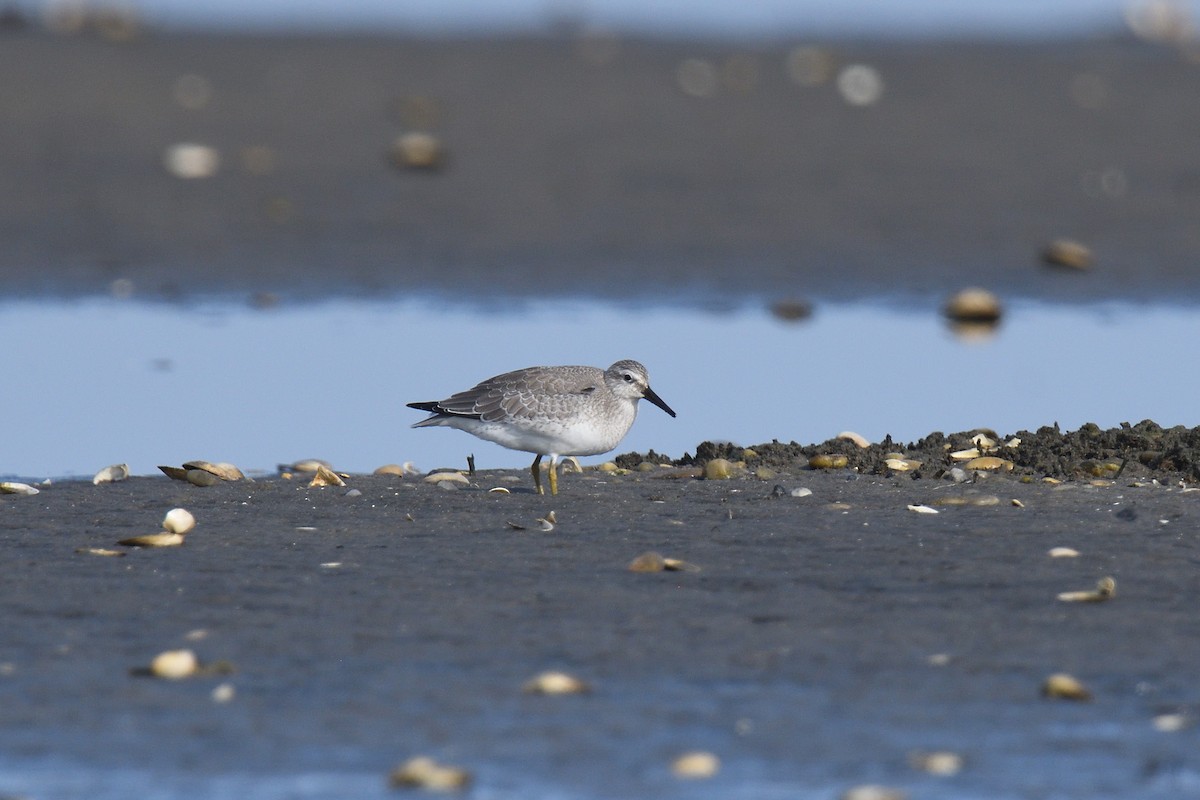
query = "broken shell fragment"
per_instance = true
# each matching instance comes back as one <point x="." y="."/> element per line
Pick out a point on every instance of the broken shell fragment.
<point x="1066" y="687"/>
<point x="554" y="682"/>
<point x="696" y="765"/>
<point x="966" y="455"/>
<point x="901" y="464"/>
<point x="174" y="665"/>
<point x="178" y="520"/>
<point x="14" y="487"/>
<point x="389" y="469"/>
<point x="422" y="772"/>
<point x="326" y="477"/>
<point x="871" y="791"/>
<point x="174" y="473"/>
<point x="1063" y="552"/>
<point x="1106" y="589"/>
<point x="154" y="540"/>
<point x="499" y="490"/>
<point x="920" y="509"/>
<point x="305" y="465"/>
<point x="828" y="461"/>
<point x="649" y="561"/>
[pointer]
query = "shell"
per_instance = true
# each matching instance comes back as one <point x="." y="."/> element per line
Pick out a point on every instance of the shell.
<point x="871" y="791"/>
<point x="1067" y="253"/>
<point x="13" y="487"/>
<point x="973" y="305"/>
<point x="966" y="455"/>
<point x="696" y="765"/>
<point x="554" y="682"/>
<point x="417" y="150"/>
<point x="100" y="551"/>
<point x="111" y="474"/>
<point x="174" y="665"/>
<point x="422" y="772"/>
<point x="922" y="509"/>
<point x="938" y="762"/>
<point x="178" y="520"/>
<point x="389" y="469"/>
<point x="154" y="540"/>
<point x="224" y="471"/>
<point x="174" y="473"/>
<point x="1066" y="687"/>
<point x="649" y="561"/>
<point x="857" y="438"/>
<point x="989" y="463"/>
<point x="452" y="477"/>
<point x="1106" y="589"/>
<point x="200" y="477"/>
<point x="1063" y="552"/>
<point x="326" y="477"/>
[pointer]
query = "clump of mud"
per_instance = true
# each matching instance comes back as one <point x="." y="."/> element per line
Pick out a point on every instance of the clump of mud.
<point x="1144" y="450"/>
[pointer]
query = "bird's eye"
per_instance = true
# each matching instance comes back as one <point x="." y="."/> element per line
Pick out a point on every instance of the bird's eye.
<point x="628" y="378"/>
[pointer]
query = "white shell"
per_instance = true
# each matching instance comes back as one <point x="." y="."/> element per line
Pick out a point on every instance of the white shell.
<point x="116" y="472"/>
<point x="12" y="487"/>
<point x="923" y="509"/>
<point x="174" y="664"/>
<point x="178" y="520"/>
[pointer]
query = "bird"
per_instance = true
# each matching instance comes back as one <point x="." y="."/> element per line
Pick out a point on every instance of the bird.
<point x="549" y="411"/>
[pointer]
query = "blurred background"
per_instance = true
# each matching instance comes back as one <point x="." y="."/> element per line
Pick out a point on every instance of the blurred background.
<point x="251" y="232"/>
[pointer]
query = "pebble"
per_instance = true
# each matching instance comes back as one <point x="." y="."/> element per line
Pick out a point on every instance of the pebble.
<point x="174" y="664"/>
<point x="178" y="520"/>
<point x="696" y="765"/>
<point x="973" y="305"/>
<point x="718" y="469"/>
<point x="554" y="683"/>
<point x="111" y="474"/>
<point x="1063" y="686"/>
<point x="422" y="772"/>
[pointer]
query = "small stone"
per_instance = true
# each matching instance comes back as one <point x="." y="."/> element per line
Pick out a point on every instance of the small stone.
<point x="801" y="492"/>
<point x="389" y="469"/>
<point x="973" y="305"/>
<point x="418" y="150"/>
<point x="447" y="476"/>
<point x="942" y="763"/>
<point x="223" y="693"/>
<point x="828" y="461"/>
<point x="178" y="520"/>
<point x="649" y="561"/>
<point x="1067" y="253"/>
<point x="423" y="772"/>
<point x="1063" y="552"/>
<point x="870" y="791"/>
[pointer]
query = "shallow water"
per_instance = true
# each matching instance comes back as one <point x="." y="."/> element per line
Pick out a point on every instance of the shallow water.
<point x="106" y="381"/>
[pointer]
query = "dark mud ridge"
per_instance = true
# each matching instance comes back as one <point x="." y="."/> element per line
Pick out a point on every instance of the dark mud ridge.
<point x="1145" y="450"/>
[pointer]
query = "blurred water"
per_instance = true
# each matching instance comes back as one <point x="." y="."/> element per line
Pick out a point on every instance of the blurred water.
<point x="672" y="17"/>
<point x="92" y="383"/>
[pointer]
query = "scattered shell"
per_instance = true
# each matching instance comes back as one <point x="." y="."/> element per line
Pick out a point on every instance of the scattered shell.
<point x="573" y="463"/>
<point x="939" y="659"/>
<point x="607" y="466"/>
<point x="100" y="551"/>
<point x="326" y="477"/>
<point x="696" y="765"/>
<point x="1067" y="253"/>
<point x="1106" y="589"/>
<point x="828" y="461"/>
<point x="423" y="772"/>
<point x="418" y="150"/>
<point x="646" y="466"/>
<point x="718" y="469"/>
<point x="871" y="791"/>
<point x="764" y="474"/>
<point x="199" y="477"/>
<point x="224" y="471"/>
<point x="174" y="664"/>
<point x="111" y="474"/>
<point x="922" y="509"/>
<point x="178" y="520"/>
<point x="973" y="305"/>
<point x="989" y="463"/>
<point x="938" y="762"/>
<point x="1066" y="687"/>
<point x="499" y="490"/>
<point x="1017" y="503"/>
<point x="451" y="477"/>
<point x="554" y="682"/>
<point x="154" y="540"/>
<point x="901" y="464"/>
<point x="546" y="524"/>
<point x="966" y="455"/>
<point x="956" y="474"/>
<point x="801" y="492"/>
<point x="857" y="438"/>
<point x="1063" y="552"/>
<point x="389" y="469"/>
<point x="13" y="487"/>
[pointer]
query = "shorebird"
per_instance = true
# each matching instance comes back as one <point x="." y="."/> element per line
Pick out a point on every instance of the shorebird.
<point x="549" y="411"/>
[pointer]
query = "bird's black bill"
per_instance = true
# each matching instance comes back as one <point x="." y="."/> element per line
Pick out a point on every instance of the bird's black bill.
<point x="658" y="401"/>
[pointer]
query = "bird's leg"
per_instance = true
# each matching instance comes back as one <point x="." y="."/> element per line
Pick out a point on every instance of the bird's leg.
<point x="536" y="469"/>
<point x="553" y="474"/>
